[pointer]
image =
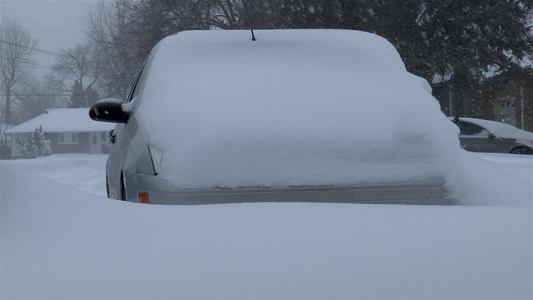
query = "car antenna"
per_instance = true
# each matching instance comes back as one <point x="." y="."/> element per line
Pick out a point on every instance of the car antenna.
<point x="248" y="17"/>
<point x="456" y="119"/>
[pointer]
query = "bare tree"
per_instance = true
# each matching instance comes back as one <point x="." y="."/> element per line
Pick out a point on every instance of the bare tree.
<point x="107" y="29"/>
<point x="16" y="48"/>
<point x="78" y="65"/>
<point x="124" y="31"/>
<point x="35" y="96"/>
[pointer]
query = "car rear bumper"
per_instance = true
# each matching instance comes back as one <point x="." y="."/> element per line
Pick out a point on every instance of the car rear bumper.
<point x="428" y="192"/>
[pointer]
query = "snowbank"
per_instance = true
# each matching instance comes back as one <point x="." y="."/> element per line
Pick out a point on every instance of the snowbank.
<point x="58" y="242"/>
<point x="295" y="107"/>
<point x="84" y="172"/>
<point x="507" y="183"/>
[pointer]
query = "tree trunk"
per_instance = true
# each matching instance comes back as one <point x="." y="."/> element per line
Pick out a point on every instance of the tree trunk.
<point x="8" y="106"/>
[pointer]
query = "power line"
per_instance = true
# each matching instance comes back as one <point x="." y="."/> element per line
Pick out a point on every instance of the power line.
<point x="41" y="95"/>
<point x="66" y="94"/>
<point x="35" y="49"/>
<point x="60" y="31"/>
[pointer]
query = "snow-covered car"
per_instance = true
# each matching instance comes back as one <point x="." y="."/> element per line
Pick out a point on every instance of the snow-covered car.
<point x="480" y="135"/>
<point x="297" y="115"/>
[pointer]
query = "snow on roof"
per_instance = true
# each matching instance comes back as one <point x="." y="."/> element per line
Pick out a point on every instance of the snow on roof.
<point x="295" y="107"/>
<point x="63" y="120"/>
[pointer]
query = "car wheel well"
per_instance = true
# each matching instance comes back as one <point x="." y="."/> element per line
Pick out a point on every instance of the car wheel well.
<point x="521" y="149"/>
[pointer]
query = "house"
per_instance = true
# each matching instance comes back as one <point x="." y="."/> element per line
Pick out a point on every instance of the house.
<point x="70" y="130"/>
<point x="512" y="94"/>
<point x="506" y="97"/>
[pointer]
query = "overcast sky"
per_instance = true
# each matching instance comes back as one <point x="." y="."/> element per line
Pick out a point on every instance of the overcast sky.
<point x="55" y="24"/>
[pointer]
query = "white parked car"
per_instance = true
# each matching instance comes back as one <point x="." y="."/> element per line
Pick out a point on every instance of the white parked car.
<point x="480" y="135"/>
<point x="297" y="115"/>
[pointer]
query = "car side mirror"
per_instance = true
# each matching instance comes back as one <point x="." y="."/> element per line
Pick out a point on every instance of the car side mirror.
<point x="109" y="110"/>
<point x="491" y="136"/>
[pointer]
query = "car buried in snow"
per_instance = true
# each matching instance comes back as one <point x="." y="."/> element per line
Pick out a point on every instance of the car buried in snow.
<point x="294" y="116"/>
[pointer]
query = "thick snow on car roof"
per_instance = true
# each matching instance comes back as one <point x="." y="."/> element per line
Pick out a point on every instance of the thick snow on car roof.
<point x="295" y="107"/>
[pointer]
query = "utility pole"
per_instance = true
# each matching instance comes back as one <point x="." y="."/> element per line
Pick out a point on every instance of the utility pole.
<point x="450" y="104"/>
<point x="522" y="107"/>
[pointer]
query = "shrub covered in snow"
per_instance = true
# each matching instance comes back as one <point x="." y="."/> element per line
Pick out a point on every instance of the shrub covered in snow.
<point x="36" y="145"/>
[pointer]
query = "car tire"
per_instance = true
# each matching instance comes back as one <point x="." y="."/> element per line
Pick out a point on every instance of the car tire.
<point x="522" y="150"/>
<point x="123" y="194"/>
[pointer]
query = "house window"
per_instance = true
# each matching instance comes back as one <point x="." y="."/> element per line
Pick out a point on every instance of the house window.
<point x="103" y="137"/>
<point x="68" y="138"/>
<point x="506" y="104"/>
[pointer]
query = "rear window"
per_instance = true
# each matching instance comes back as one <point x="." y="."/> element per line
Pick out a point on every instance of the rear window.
<point x="469" y="128"/>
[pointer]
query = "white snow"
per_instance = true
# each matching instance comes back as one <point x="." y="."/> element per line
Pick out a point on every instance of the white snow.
<point x="63" y="120"/>
<point x="490" y="179"/>
<point x="85" y="172"/>
<point x="59" y="242"/>
<point x="295" y="107"/>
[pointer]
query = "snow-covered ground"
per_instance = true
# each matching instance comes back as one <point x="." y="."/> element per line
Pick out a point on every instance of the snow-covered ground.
<point x="85" y="172"/>
<point x="61" y="239"/>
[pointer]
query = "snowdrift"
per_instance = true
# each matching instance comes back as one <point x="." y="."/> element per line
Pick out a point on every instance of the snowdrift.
<point x="59" y="242"/>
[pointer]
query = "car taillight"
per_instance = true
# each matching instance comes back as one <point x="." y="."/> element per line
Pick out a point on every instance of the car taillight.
<point x="143" y="197"/>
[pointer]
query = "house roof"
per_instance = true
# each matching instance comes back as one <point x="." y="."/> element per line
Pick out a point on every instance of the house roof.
<point x="63" y="120"/>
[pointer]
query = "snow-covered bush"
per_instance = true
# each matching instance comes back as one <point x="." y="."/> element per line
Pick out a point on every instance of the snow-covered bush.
<point x="37" y="145"/>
